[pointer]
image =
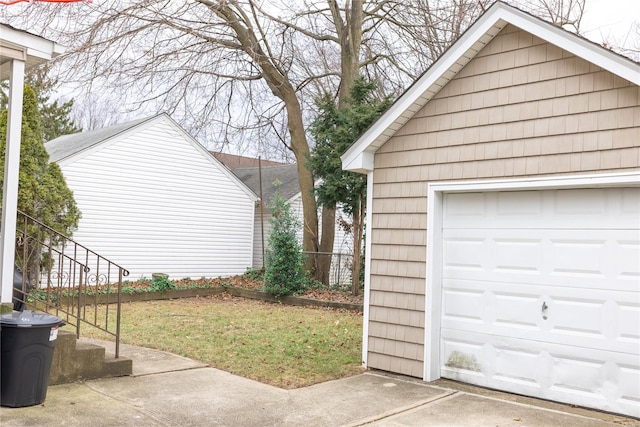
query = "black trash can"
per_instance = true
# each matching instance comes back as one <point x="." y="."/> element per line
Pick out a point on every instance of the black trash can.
<point x="27" y="341"/>
<point x="18" y="293"/>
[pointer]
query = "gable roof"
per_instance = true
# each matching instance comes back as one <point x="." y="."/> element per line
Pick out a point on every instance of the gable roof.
<point x="68" y="146"/>
<point x="286" y="174"/>
<point x="359" y="157"/>
<point x="233" y="161"/>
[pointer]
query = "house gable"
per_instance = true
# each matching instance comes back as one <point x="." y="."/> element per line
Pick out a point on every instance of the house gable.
<point x="71" y="148"/>
<point x="359" y="157"/>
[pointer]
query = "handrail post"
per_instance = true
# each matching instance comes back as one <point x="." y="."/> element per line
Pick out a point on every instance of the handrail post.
<point x="118" y="309"/>
<point x="81" y="281"/>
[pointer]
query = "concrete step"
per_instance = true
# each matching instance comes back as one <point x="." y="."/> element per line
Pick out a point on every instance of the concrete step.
<point x="76" y="361"/>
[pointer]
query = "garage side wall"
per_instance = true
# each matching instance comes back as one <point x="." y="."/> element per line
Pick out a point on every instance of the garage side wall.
<point x="521" y="107"/>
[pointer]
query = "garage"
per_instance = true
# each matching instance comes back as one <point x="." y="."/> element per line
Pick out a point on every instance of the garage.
<point x="539" y="292"/>
<point x="503" y="219"/>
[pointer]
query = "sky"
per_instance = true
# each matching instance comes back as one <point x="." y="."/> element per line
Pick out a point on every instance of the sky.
<point x="610" y="19"/>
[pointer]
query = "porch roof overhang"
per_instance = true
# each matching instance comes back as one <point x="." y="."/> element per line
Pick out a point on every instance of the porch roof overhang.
<point x="23" y="46"/>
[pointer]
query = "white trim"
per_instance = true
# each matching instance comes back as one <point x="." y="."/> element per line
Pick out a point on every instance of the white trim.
<point x="432" y="294"/>
<point x="11" y="179"/>
<point x="217" y="163"/>
<point x="362" y="163"/>
<point x="462" y="52"/>
<point x="435" y="195"/>
<point x="367" y="270"/>
<point x="397" y="112"/>
<point x="34" y="49"/>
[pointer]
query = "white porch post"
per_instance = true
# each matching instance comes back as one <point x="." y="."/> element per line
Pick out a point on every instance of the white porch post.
<point x="10" y="187"/>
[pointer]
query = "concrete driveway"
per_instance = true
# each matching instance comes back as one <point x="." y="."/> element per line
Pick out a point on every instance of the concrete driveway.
<point x="169" y="390"/>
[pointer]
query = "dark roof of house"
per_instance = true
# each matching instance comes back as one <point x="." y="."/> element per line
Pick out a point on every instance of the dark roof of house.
<point x="287" y="175"/>
<point x="233" y="161"/>
<point x="68" y="145"/>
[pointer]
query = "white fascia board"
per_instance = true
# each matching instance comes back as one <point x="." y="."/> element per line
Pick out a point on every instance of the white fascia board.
<point x="361" y="162"/>
<point x="581" y="47"/>
<point x="211" y="158"/>
<point x="455" y="58"/>
<point x="396" y="116"/>
<point x="46" y="53"/>
<point x="35" y="46"/>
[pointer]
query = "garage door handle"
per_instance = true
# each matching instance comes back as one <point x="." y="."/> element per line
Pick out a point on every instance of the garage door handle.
<point x="544" y="310"/>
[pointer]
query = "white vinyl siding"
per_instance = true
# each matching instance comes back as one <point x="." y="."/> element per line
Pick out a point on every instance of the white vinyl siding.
<point x="152" y="201"/>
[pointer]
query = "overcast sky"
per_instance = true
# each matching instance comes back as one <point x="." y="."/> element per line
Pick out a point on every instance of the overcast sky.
<point x="610" y="19"/>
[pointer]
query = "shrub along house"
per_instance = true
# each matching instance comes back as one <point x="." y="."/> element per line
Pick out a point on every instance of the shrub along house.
<point x="504" y="218"/>
<point x="156" y="201"/>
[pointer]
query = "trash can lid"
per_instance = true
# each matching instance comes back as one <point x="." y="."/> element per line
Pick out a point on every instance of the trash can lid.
<point x="28" y="319"/>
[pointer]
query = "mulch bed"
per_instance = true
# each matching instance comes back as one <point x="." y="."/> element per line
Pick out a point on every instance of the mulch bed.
<point x="246" y="282"/>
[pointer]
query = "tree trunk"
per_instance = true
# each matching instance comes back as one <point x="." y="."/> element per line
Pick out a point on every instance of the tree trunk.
<point x="358" y="226"/>
<point x="281" y="87"/>
<point x="300" y="149"/>
<point x="326" y="244"/>
<point x="350" y="36"/>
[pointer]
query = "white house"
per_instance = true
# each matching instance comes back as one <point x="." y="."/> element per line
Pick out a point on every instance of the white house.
<point x="155" y="201"/>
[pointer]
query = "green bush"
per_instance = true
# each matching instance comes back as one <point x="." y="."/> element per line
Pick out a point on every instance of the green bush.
<point x="161" y="284"/>
<point x="284" y="264"/>
<point x="254" y="274"/>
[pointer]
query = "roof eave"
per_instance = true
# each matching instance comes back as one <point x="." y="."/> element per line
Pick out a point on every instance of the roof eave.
<point x="22" y="45"/>
<point x="356" y="158"/>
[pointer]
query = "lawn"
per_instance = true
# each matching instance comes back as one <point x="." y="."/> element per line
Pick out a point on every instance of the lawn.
<point x="285" y="346"/>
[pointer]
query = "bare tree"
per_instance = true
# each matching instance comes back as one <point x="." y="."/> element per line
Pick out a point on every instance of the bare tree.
<point x="248" y="71"/>
<point x="95" y="112"/>
<point x="563" y="13"/>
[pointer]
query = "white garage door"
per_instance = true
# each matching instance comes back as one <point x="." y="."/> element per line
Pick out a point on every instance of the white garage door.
<point x="541" y="294"/>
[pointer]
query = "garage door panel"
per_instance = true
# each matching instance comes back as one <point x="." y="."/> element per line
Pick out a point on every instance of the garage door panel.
<point x="628" y="320"/>
<point x="577" y="208"/>
<point x="604" y="379"/>
<point x="597" y="319"/>
<point x="598" y="259"/>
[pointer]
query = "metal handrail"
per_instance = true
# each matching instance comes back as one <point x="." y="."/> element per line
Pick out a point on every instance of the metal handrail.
<point x="68" y="279"/>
